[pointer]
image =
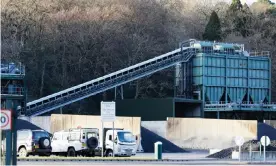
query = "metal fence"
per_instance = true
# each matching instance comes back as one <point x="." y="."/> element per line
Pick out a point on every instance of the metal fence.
<point x="12" y="90"/>
<point x="240" y="106"/>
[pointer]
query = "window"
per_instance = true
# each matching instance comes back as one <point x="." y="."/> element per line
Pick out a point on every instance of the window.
<point x="57" y="136"/>
<point x="110" y="137"/>
<point x="89" y="135"/>
<point x="65" y="136"/>
<point x="126" y="137"/>
<point x="38" y="134"/>
<point x="23" y="135"/>
<point x="74" y="136"/>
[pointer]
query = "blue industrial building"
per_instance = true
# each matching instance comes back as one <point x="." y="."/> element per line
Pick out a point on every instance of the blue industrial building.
<point x="221" y="80"/>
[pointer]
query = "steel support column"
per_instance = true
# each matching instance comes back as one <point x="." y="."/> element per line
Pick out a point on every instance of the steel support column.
<point x="8" y="147"/>
<point x="14" y="135"/>
<point x="119" y="91"/>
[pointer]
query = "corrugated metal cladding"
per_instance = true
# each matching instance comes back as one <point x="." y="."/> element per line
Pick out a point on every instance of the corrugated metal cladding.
<point x="228" y="75"/>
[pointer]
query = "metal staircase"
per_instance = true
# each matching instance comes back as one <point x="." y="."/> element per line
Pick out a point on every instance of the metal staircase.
<point x="79" y="92"/>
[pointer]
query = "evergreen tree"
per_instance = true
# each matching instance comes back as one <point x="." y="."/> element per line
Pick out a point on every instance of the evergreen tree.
<point x="235" y="6"/>
<point x="240" y="17"/>
<point x="266" y="1"/>
<point x="246" y="21"/>
<point x="213" y="28"/>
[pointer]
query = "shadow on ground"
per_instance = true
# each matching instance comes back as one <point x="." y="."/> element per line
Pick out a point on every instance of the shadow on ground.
<point x="149" y="138"/>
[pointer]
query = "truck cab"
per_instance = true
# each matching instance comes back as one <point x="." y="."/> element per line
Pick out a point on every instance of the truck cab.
<point x="124" y="143"/>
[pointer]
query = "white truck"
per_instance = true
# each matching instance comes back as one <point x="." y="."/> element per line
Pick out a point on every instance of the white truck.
<point x="86" y="142"/>
<point x="124" y="142"/>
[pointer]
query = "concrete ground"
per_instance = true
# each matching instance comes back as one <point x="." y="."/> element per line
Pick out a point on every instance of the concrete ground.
<point x="193" y="158"/>
<point x="191" y="155"/>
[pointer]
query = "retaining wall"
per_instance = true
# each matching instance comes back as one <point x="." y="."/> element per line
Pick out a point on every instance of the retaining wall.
<point x="63" y="122"/>
<point x="272" y="123"/>
<point x="157" y="127"/>
<point x="208" y="133"/>
<point x="57" y="122"/>
<point x="43" y="122"/>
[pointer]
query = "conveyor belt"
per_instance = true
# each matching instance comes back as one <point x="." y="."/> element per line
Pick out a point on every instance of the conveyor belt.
<point x="79" y="92"/>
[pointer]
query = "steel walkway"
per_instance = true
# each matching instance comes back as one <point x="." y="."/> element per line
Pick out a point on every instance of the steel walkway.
<point x="79" y="92"/>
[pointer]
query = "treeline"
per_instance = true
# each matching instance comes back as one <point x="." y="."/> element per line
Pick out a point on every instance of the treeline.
<point x="67" y="42"/>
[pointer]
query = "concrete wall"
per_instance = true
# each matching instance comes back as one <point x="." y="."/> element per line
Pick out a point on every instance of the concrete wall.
<point x="63" y="122"/>
<point x="34" y="123"/>
<point x="208" y="133"/>
<point x="271" y="123"/>
<point x="42" y="121"/>
<point x="57" y="122"/>
<point x="157" y="127"/>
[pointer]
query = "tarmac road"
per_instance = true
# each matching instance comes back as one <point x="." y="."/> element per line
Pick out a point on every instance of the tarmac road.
<point x="101" y="163"/>
<point x="194" y="158"/>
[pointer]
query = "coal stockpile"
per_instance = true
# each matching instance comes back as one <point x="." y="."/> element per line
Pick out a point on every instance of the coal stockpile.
<point x="227" y="153"/>
<point x="263" y="129"/>
<point x="149" y="138"/>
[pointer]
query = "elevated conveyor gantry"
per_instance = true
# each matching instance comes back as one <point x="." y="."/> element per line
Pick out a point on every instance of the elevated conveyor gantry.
<point x="81" y="91"/>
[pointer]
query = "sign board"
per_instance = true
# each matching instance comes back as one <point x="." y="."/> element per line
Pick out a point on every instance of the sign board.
<point x="5" y="120"/>
<point x="265" y="141"/>
<point x="108" y="111"/>
<point x="239" y="140"/>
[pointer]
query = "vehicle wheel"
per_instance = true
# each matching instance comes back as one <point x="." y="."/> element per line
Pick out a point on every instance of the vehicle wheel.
<point x="92" y="142"/>
<point x="22" y="152"/>
<point x="109" y="153"/>
<point x="44" y="142"/>
<point x="71" y="152"/>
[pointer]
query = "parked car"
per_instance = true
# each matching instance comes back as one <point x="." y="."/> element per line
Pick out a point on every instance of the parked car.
<point x="33" y="142"/>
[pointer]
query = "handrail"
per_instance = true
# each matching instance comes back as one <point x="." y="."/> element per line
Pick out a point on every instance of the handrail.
<point x="12" y="90"/>
<point x="260" y="53"/>
<point x="12" y="69"/>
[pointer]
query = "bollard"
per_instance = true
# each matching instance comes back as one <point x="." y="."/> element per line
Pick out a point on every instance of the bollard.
<point x="158" y="150"/>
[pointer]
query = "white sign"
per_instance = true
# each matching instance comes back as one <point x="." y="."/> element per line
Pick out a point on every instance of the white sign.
<point x="108" y="111"/>
<point x="5" y="119"/>
<point x="265" y="141"/>
<point x="239" y="140"/>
